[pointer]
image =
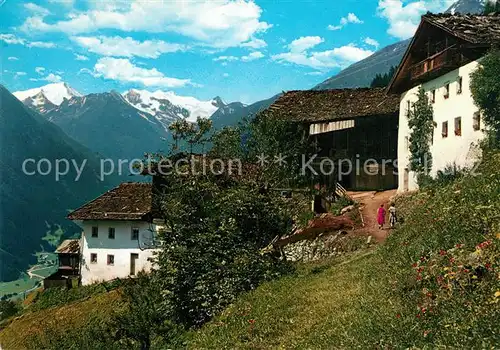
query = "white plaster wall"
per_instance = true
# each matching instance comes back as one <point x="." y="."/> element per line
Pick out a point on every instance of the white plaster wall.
<point x="121" y="247"/>
<point x="461" y="150"/>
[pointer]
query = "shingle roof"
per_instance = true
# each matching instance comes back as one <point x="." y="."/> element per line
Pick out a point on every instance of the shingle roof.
<point x="129" y="201"/>
<point x="326" y="105"/>
<point x="69" y="246"/>
<point x="477" y="29"/>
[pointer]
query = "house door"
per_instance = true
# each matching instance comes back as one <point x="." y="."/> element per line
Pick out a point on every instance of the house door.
<point x="133" y="259"/>
<point x="406" y="177"/>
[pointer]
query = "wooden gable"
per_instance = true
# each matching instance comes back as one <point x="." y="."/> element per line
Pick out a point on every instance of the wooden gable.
<point x="436" y="49"/>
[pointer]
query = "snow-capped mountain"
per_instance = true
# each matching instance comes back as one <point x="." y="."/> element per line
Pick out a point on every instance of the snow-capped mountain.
<point x="46" y="97"/>
<point x="467" y="6"/>
<point x="167" y="106"/>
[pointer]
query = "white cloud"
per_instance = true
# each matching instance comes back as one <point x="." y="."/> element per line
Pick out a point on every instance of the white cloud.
<point x="41" y="44"/>
<point x="18" y="74"/>
<point x="11" y="39"/>
<point x="404" y="16"/>
<point x="36" y="9"/>
<point x="226" y="58"/>
<point x="122" y="70"/>
<point x="350" y="18"/>
<point x="127" y="47"/>
<point x="13" y="58"/>
<point x="81" y="57"/>
<point x="221" y="24"/>
<point x="255" y="44"/>
<point x="315" y="73"/>
<point x="52" y="78"/>
<point x="252" y="56"/>
<point x="323" y="60"/>
<point x="304" y="43"/>
<point x="225" y="75"/>
<point x="40" y="70"/>
<point x="371" y="42"/>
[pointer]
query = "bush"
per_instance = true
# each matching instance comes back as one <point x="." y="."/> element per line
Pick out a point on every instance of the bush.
<point x="212" y="253"/>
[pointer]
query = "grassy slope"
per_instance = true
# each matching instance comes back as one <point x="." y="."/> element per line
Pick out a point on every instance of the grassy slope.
<point x="372" y="299"/>
<point x="333" y="305"/>
<point x="57" y="321"/>
<point x="381" y="300"/>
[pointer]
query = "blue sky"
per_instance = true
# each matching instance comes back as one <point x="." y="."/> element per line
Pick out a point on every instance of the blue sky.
<point x="240" y="50"/>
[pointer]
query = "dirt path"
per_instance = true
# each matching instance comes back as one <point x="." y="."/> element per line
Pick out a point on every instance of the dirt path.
<point x="369" y="204"/>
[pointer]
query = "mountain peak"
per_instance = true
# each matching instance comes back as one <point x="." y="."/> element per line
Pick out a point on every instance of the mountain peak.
<point x="467" y="6"/>
<point x="218" y="102"/>
<point x="55" y="93"/>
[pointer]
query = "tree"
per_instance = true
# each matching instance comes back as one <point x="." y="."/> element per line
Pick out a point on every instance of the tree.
<point x="491" y="6"/>
<point x="485" y="90"/>
<point x="147" y="313"/>
<point x="383" y="80"/>
<point x="8" y="308"/>
<point x="421" y="124"/>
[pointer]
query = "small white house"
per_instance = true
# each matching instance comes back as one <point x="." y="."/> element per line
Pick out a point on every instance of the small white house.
<point x="445" y="50"/>
<point x="118" y="233"/>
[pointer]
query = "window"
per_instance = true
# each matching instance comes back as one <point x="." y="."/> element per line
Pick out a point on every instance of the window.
<point x="407" y="143"/>
<point x="444" y="129"/>
<point x="458" y="126"/>
<point x="433" y="96"/>
<point x="447" y="90"/>
<point x="111" y="233"/>
<point x="408" y="106"/>
<point x="93" y="258"/>
<point x="95" y="231"/>
<point x="135" y="234"/>
<point x="111" y="259"/>
<point x="476" y="122"/>
<point x="459" y="85"/>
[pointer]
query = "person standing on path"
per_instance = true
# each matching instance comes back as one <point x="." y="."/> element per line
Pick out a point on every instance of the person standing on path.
<point x="392" y="215"/>
<point x="381" y="216"/>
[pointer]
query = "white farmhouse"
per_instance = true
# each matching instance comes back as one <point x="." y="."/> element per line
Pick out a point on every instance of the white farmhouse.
<point x="118" y="233"/>
<point x="444" y="51"/>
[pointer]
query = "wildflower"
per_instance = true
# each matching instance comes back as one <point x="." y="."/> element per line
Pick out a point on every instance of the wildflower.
<point x="418" y="315"/>
<point x="414" y="265"/>
<point x="419" y="278"/>
<point x="251" y="321"/>
<point x="442" y="252"/>
<point x="426" y="333"/>
<point x="487" y="266"/>
<point x="452" y="260"/>
<point x="458" y="246"/>
<point x="398" y="316"/>
<point x="429" y="294"/>
<point x="498" y="235"/>
<point x="497" y="294"/>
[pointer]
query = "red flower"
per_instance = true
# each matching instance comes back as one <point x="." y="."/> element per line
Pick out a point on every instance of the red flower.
<point x="426" y="333"/>
<point x="442" y="252"/>
<point x="414" y="265"/>
<point x="419" y="278"/>
<point x="398" y="316"/>
<point x="429" y="294"/>
<point x="452" y="260"/>
<point x="459" y="246"/>
<point x="420" y="269"/>
<point x="251" y="321"/>
<point x="487" y="266"/>
<point x="418" y="315"/>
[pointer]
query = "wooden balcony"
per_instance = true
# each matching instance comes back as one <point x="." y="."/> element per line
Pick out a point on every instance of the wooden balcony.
<point x="439" y="63"/>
